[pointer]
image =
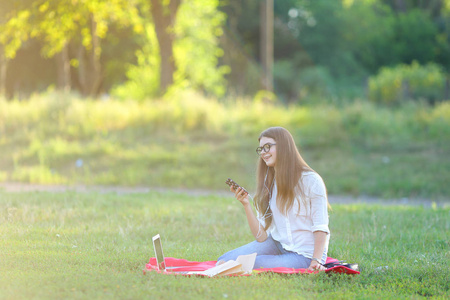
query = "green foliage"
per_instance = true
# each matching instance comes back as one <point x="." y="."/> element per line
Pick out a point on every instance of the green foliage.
<point x="13" y="32"/>
<point x="346" y="41"/>
<point x="190" y="141"/>
<point x="403" y="82"/>
<point x="198" y="28"/>
<point x="321" y="48"/>
<point x="415" y="37"/>
<point x="381" y="37"/>
<point x="320" y="58"/>
<point x="143" y="78"/>
<point x="307" y="83"/>
<point x="316" y="81"/>
<point x="95" y="245"/>
<point x="196" y="52"/>
<point x="78" y="30"/>
<point x="57" y="22"/>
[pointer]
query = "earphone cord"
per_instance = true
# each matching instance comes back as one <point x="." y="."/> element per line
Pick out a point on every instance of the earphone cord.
<point x="266" y="214"/>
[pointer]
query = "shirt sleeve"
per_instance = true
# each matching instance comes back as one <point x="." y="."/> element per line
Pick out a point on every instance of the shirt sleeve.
<point x="315" y="191"/>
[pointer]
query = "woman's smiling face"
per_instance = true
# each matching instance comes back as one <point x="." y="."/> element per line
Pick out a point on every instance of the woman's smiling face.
<point x="269" y="157"/>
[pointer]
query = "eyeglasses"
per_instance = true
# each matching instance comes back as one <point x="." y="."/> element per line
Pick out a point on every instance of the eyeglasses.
<point x="266" y="148"/>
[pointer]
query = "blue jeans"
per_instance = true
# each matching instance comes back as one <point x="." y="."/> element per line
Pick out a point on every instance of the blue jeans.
<point x="270" y="254"/>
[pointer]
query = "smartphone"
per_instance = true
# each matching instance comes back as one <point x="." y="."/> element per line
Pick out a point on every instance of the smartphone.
<point x="233" y="184"/>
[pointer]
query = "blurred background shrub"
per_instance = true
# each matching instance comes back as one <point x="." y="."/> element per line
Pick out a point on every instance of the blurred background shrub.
<point x="408" y="82"/>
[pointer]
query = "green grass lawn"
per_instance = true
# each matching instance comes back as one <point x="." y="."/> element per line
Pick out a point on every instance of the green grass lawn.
<point x="95" y="246"/>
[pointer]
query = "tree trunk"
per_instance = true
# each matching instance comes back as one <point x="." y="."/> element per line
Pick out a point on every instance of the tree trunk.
<point x="89" y="68"/>
<point x="447" y="89"/>
<point x="3" y="68"/>
<point x="164" y="20"/>
<point x="63" y="69"/>
<point x="81" y="68"/>
<point x="266" y="44"/>
<point x="400" y="6"/>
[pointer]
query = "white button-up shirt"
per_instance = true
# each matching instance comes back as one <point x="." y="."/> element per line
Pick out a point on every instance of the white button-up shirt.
<point x="295" y="231"/>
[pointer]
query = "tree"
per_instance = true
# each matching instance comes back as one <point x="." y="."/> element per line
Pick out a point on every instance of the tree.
<point x="62" y="24"/>
<point x="190" y="62"/>
<point x="10" y="38"/>
<point x="417" y="18"/>
<point x="164" y="18"/>
<point x="3" y="68"/>
<point x="76" y="33"/>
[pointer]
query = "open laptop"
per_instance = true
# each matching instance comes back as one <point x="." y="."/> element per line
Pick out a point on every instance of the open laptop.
<point x="157" y="245"/>
<point x="160" y="260"/>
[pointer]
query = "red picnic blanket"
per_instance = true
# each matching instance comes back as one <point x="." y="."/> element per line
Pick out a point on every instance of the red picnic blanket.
<point x="184" y="265"/>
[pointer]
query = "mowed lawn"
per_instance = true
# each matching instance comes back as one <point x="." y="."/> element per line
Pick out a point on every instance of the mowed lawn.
<point x="95" y="246"/>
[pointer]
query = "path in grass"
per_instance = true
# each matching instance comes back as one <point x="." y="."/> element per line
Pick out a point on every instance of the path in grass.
<point x="333" y="199"/>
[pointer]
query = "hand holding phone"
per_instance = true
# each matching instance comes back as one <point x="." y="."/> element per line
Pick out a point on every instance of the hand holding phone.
<point x="242" y="196"/>
<point x="233" y="184"/>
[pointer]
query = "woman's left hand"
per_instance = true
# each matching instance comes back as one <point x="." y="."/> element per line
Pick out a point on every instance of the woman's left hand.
<point x="315" y="266"/>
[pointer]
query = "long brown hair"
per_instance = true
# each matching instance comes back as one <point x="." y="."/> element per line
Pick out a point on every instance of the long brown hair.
<point x="287" y="172"/>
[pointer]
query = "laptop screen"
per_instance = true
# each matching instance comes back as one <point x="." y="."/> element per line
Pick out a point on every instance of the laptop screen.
<point x="159" y="252"/>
